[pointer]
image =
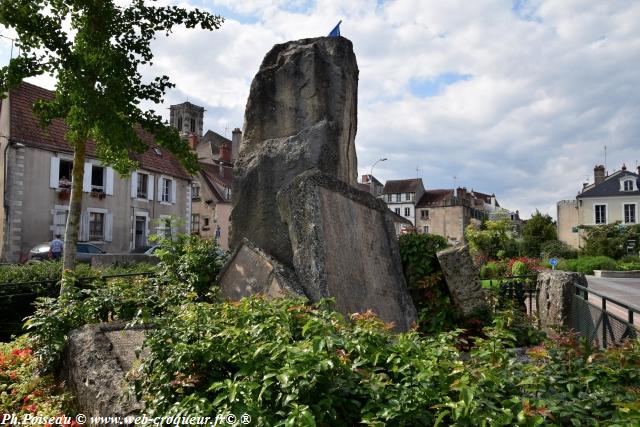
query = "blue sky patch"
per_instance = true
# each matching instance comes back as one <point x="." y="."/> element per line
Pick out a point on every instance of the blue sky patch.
<point x="425" y="88"/>
<point x="525" y="10"/>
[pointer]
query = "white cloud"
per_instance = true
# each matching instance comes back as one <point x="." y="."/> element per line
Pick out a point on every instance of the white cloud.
<point x="548" y="84"/>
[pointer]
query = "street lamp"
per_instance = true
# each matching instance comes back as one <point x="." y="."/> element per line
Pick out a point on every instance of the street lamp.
<point x="374" y="165"/>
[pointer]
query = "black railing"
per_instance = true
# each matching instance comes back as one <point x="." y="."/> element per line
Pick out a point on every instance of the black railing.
<point x="602" y="320"/>
<point x="521" y="290"/>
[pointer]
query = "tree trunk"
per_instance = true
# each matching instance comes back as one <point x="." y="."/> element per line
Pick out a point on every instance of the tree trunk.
<point x="73" y="219"/>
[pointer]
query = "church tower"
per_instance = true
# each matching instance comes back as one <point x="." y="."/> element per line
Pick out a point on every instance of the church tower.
<point x="187" y="118"/>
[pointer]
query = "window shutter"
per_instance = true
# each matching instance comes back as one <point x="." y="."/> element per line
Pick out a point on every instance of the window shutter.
<point x="150" y="187"/>
<point x="134" y="185"/>
<point x="108" y="186"/>
<point x="83" y="234"/>
<point x="173" y="190"/>
<point x="54" y="173"/>
<point x="108" y="227"/>
<point x="160" y="182"/>
<point x="86" y="183"/>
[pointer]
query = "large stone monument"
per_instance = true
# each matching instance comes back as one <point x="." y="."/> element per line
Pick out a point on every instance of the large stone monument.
<point x="299" y="224"/>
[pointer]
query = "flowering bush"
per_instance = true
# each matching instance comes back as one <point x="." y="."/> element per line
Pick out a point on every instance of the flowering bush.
<point x="22" y="390"/>
<point x="526" y="266"/>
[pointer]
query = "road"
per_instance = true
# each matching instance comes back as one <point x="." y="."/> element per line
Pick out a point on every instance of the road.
<point x="627" y="291"/>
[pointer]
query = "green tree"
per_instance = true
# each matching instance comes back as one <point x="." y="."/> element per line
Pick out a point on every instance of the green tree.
<point x="538" y="230"/>
<point x="494" y="239"/>
<point x="94" y="49"/>
<point x="611" y="240"/>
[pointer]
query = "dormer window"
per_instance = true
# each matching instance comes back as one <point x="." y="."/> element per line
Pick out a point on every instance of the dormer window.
<point x="627" y="185"/>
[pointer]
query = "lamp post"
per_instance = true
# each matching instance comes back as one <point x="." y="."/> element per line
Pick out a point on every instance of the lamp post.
<point x="374" y="165"/>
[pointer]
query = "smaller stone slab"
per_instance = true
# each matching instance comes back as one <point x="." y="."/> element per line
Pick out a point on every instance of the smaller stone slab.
<point x="463" y="280"/>
<point x="344" y="247"/>
<point x="556" y="291"/>
<point x="251" y="271"/>
<point x="97" y="359"/>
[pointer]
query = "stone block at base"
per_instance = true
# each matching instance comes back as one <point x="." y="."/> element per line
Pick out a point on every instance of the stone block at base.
<point x="251" y="271"/>
<point x="463" y="280"/>
<point x="555" y="297"/>
<point x="344" y="247"/>
<point x="96" y="360"/>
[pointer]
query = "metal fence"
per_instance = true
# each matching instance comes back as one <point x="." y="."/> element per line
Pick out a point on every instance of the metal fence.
<point x="522" y="290"/>
<point x="603" y="321"/>
<point x="17" y="298"/>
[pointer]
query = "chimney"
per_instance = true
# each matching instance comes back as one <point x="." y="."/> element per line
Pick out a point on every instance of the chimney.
<point x="225" y="153"/>
<point x="624" y="167"/>
<point x="598" y="174"/>
<point x="236" y="139"/>
<point x="365" y="179"/>
<point x="193" y="141"/>
<point x="493" y="200"/>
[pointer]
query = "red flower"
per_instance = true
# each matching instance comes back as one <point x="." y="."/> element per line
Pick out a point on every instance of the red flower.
<point x="31" y="408"/>
<point x="13" y="375"/>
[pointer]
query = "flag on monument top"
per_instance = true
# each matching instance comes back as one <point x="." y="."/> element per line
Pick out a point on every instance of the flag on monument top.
<point x="336" y="30"/>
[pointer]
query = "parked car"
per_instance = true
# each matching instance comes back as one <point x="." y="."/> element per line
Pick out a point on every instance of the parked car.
<point x="84" y="252"/>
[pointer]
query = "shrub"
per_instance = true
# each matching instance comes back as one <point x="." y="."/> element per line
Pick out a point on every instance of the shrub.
<point x="586" y="264"/>
<point x="494" y="239"/>
<point x="537" y="230"/>
<point x="557" y="249"/>
<point x="519" y="268"/>
<point x="22" y="390"/>
<point x="187" y="271"/>
<point x="610" y="240"/>
<point x="287" y="363"/>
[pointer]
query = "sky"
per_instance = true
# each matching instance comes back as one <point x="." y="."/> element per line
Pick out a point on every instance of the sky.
<point x="517" y="98"/>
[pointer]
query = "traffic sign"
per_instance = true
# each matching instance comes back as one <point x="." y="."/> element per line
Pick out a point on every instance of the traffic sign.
<point x="553" y="262"/>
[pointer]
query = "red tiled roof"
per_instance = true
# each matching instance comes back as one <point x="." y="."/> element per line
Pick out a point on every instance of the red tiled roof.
<point x="24" y="128"/>
<point x="432" y="196"/>
<point x="212" y="176"/>
<point x="402" y="186"/>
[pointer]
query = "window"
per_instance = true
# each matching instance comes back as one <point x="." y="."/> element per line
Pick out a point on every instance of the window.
<point x="397" y="210"/>
<point x="96" y="226"/>
<point x="179" y="124"/>
<point x="195" y="223"/>
<point x="143" y="185"/>
<point x="407" y="211"/>
<point x="97" y="178"/>
<point x="65" y="173"/>
<point x="424" y="214"/>
<point x="425" y="229"/>
<point x="628" y="185"/>
<point x="193" y="125"/>
<point x="389" y="198"/>
<point x="166" y="190"/>
<point x="195" y="192"/>
<point x="630" y="213"/>
<point x="398" y="197"/>
<point x="407" y="196"/>
<point x="205" y="225"/>
<point x="600" y="214"/>
<point x="59" y="220"/>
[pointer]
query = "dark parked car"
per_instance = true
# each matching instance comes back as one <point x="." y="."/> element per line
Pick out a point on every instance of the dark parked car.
<point x="84" y="252"/>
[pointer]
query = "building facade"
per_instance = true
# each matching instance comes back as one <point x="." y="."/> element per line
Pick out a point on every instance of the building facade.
<point x="448" y="212"/>
<point x="118" y="213"/>
<point x="610" y="199"/>
<point x="402" y="195"/>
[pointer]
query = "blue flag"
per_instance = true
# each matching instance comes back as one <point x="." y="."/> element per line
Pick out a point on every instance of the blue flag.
<point x="336" y="30"/>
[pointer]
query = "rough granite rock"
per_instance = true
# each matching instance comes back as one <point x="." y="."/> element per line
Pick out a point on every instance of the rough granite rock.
<point x="251" y="271"/>
<point x="555" y="297"/>
<point x="97" y="358"/>
<point x="462" y="280"/>
<point x="344" y="247"/>
<point x="301" y="114"/>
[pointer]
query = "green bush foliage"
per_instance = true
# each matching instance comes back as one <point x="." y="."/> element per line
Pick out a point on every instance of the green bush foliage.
<point x="586" y="264"/>
<point x="287" y="363"/>
<point x="519" y="268"/>
<point x="426" y="282"/>
<point x="557" y="249"/>
<point x="610" y="240"/>
<point x="493" y="270"/>
<point x="536" y="231"/>
<point x="136" y="299"/>
<point x="494" y="240"/>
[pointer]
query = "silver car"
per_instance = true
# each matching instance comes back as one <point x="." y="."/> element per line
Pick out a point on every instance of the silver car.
<point x="84" y="252"/>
